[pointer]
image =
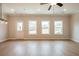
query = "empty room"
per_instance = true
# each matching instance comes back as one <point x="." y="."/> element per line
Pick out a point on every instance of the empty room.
<point x="39" y="29"/>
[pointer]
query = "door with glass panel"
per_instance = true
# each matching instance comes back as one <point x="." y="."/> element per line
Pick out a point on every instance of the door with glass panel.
<point x="19" y="30"/>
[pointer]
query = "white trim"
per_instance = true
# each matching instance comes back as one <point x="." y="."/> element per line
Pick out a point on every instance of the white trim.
<point x="12" y="38"/>
<point x="3" y="40"/>
<point x="46" y="38"/>
<point x="75" y="40"/>
<point x="40" y="38"/>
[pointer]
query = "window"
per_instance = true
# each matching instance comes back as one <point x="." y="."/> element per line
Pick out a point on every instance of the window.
<point x="32" y="27"/>
<point x="58" y="27"/>
<point x="19" y="26"/>
<point x="45" y="27"/>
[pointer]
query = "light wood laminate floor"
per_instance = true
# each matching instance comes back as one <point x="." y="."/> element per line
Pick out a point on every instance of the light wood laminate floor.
<point x="39" y="48"/>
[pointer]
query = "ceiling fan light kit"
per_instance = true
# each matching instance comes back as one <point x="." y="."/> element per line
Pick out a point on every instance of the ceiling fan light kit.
<point x="3" y="21"/>
<point x="52" y="5"/>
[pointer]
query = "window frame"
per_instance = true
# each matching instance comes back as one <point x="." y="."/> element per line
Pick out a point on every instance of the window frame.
<point x="34" y="27"/>
<point x="61" y="26"/>
<point x="48" y="27"/>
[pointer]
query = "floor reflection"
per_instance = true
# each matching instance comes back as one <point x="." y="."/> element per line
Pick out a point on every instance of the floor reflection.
<point x="39" y="48"/>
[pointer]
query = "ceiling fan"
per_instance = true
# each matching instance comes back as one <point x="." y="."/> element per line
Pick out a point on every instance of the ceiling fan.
<point x="52" y="4"/>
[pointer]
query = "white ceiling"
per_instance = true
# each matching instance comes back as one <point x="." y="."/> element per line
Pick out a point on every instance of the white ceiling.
<point x="36" y="8"/>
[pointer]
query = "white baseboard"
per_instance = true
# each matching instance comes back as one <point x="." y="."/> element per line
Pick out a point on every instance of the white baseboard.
<point x="11" y="38"/>
<point x="75" y="40"/>
<point x="46" y="38"/>
<point x="37" y="38"/>
<point x="3" y="40"/>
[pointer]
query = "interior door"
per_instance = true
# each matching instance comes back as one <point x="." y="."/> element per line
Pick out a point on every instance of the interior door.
<point x="19" y="30"/>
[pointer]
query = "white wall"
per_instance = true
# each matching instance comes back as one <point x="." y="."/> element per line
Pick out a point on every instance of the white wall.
<point x="75" y="27"/>
<point x="3" y="32"/>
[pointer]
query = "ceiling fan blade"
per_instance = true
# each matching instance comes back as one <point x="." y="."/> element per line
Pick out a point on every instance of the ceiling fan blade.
<point x="43" y="3"/>
<point x="49" y="7"/>
<point x="59" y="4"/>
